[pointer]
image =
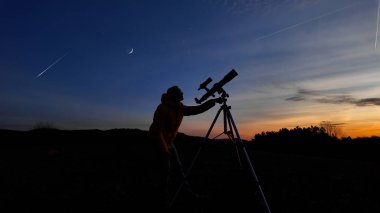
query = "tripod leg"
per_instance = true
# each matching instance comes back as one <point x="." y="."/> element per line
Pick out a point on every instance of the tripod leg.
<point x="195" y="158"/>
<point x="249" y="162"/>
<point x="232" y="138"/>
<point x="181" y="170"/>
<point x="225" y="119"/>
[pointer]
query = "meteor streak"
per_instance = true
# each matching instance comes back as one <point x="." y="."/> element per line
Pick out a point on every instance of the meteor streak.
<point x="304" y="22"/>
<point x="51" y="65"/>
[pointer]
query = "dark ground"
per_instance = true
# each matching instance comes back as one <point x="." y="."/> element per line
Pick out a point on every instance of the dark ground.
<point x="101" y="171"/>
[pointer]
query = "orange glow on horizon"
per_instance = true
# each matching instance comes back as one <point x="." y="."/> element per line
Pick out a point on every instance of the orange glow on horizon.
<point x="249" y="130"/>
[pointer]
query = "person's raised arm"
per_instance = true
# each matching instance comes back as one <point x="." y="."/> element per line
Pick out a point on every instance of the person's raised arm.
<point x="194" y="110"/>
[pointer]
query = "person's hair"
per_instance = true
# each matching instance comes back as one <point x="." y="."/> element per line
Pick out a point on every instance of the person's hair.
<point x="175" y="93"/>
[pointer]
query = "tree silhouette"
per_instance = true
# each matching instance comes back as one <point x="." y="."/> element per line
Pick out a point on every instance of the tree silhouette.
<point x="331" y="128"/>
<point x="297" y="134"/>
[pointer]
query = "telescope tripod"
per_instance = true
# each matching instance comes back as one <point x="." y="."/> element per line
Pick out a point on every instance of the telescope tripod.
<point x="231" y="131"/>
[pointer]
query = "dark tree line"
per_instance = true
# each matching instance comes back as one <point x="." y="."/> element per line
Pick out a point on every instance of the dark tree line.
<point x="315" y="140"/>
<point x="297" y="134"/>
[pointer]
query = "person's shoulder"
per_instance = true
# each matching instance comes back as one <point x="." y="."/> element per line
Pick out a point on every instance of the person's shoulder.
<point x="163" y="108"/>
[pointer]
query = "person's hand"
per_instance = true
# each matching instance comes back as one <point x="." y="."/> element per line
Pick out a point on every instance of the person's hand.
<point x="219" y="100"/>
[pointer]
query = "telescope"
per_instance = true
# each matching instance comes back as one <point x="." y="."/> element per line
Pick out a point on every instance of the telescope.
<point x="218" y="87"/>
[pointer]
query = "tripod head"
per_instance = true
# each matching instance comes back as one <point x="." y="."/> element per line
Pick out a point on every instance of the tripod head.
<point x="218" y="87"/>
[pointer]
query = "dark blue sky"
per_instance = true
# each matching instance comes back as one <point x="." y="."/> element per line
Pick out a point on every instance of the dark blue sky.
<point x="279" y="48"/>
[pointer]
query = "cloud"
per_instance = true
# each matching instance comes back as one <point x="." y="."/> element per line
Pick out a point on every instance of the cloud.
<point x="249" y="6"/>
<point x="346" y="99"/>
<point x="304" y="95"/>
<point x="368" y="101"/>
<point x="339" y="99"/>
<point x="296" y="98"/>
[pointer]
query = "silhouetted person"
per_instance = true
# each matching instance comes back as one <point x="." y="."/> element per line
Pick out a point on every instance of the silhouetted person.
<point x="162" y="132"/>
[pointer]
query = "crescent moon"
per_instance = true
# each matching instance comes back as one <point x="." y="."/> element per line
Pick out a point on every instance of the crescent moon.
<point x="130" y="52"/>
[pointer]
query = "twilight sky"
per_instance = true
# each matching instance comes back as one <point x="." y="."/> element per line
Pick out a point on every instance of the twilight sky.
<point x="300" y="62"/>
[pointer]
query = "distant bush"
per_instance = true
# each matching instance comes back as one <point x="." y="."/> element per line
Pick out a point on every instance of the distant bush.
<point x="317" y="141"/>
<point x="297" y="134"/>
<point x="43" y="125"/>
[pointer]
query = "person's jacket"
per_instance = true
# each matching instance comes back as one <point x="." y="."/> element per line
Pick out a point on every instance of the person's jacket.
<point x="168" y="117"/>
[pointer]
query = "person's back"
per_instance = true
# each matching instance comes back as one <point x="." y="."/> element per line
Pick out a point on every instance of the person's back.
<point x="166" y="121"/>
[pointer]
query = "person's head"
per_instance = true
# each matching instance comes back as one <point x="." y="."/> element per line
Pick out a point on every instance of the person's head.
<point x="175" y="93"/>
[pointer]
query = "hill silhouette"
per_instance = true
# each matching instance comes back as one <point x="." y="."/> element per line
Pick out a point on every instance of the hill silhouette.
<point x="104" y="171"/>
